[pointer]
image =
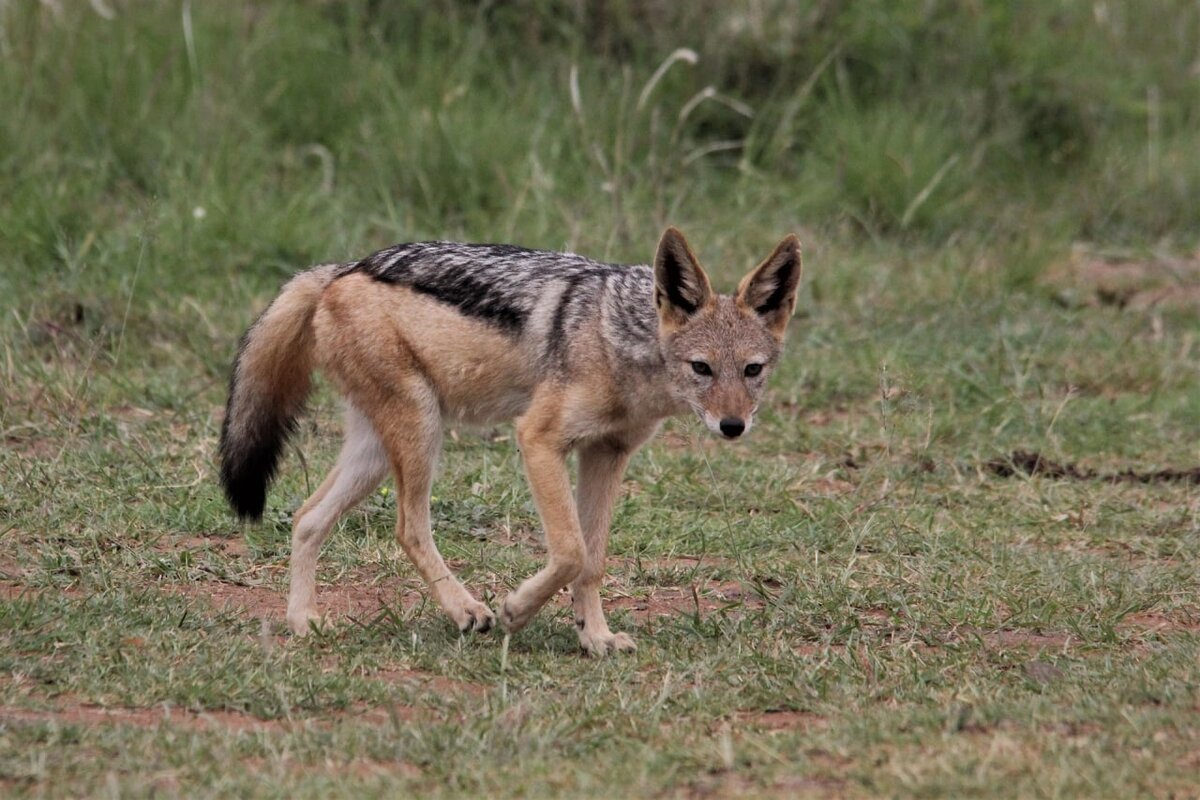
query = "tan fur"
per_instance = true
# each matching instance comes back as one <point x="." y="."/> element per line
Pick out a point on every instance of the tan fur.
<point x="405" y="362"/>
<point x="279" y="362"/>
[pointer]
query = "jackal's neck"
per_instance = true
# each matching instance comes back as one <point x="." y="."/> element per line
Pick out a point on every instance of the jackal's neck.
<point x="628" y="321"/>
<point x="629" y="330"/>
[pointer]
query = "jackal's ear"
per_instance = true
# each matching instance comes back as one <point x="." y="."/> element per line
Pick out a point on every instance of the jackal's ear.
<point x="680" y="286"/>
<point x="770" y="290"/>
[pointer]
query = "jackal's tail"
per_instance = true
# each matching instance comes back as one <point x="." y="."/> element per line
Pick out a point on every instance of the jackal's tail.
<point x="271" y="379"/>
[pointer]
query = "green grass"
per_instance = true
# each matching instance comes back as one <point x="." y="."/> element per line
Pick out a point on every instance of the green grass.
<point x="850" y="603"/>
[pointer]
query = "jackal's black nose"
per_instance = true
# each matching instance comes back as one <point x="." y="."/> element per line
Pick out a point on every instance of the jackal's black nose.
<point x="732" y="427"/>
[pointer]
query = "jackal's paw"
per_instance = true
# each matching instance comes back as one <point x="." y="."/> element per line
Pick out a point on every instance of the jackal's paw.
<point x="602" y="643"/>
<point x="302" y="622"/>
<point x="514" y="615"/>
<point x="473" y="616"/>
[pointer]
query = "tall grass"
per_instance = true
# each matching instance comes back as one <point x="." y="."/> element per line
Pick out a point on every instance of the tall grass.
<point x="170" y="153"/>
<point x="307" y="128"/>
<point x="218" y="148"/>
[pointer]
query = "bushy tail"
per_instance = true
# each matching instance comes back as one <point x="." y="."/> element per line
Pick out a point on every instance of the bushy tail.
<point x="271" y="378"/>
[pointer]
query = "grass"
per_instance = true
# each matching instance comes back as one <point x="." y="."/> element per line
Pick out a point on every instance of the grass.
<point x="850" y="603"/>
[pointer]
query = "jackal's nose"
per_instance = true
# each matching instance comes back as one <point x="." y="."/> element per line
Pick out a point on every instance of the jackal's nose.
<point x="732" y="427"/>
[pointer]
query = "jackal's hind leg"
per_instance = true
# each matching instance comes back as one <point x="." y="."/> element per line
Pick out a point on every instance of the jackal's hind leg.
<point x="360" y="467"/>
<point x="410" y="426"/>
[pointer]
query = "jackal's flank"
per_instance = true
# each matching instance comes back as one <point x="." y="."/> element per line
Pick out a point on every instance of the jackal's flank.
<point x="584" y="356"/>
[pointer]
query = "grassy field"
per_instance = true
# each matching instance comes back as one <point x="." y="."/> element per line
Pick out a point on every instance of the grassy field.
<point x="871" y="596"/>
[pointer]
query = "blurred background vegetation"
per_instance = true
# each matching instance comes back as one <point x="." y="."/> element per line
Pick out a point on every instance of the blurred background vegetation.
<point x="158" y="157"/>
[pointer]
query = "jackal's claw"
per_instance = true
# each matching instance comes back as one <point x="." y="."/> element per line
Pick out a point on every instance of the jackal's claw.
<point x="599" y="646"/>
<point x="479" y="619"/>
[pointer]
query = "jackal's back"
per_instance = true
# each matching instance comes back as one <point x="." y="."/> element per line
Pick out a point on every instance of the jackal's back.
<point x="541" y="297"/>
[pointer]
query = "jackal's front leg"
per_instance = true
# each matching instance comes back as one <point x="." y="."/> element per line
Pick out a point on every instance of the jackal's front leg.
<point x="545" y="456"/>
<point x="601" y="466"/>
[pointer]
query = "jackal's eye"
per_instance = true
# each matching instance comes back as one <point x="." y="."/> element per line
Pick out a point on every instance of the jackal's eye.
<point x="701" y="368"/>
<point x="753" y="370"/>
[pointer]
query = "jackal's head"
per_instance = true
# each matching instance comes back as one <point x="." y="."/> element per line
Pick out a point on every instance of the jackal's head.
<point x="720" y="349"/>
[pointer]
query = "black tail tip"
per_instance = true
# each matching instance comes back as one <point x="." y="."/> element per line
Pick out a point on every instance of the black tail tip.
<point x="248" y="498"/>
<point x="247" y="469"/>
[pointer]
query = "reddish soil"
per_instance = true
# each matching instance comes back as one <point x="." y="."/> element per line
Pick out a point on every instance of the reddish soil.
<point x="722" y="784"/>
<point x="232" y="721"/>
<point x="84" y="714"/>
<point x="439" y="684"/>
<point x="351" y="598"/>
<point x="1016" y="640"/>
<point x="230" y="546"/>
<point x="12" y="589"/>
<point x="667" y="601"/>
<point x="779" y="720"/>
<point x="33" y="447"/>
<point x="1153" y="622"/>
<point x="66" y="710"/>
<point x="810" y="649"/>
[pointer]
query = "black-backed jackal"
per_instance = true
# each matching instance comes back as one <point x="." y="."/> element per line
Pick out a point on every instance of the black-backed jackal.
<point x="584" y="356"/>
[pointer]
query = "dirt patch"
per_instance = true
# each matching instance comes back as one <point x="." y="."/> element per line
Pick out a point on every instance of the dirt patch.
<point x="11" y="588"/>
<point x="779" y="719"/>
<point x="143" y="718"/>
<point x="439" y="684"/>
<point x="1010" y="639"/>
<point x="722" y="784"/>
<point x="230" y="546"/>
<point x="361" y="598"/>
<point x="811" y="649"/>
<point x="1024" y="462"/>
<point x="1097" y="280"/>
<point x="1123" y="552"/>
<point x="669" y="601"/>
<point x="86" y="714"/>
<point x="351" y="598"/>
<point x="1153" y="622"/>
<point x="33" y="447"/>
<point x="11" y="576"/>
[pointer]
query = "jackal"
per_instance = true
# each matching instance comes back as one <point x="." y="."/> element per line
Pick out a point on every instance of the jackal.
<point x="583" y="356"/>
